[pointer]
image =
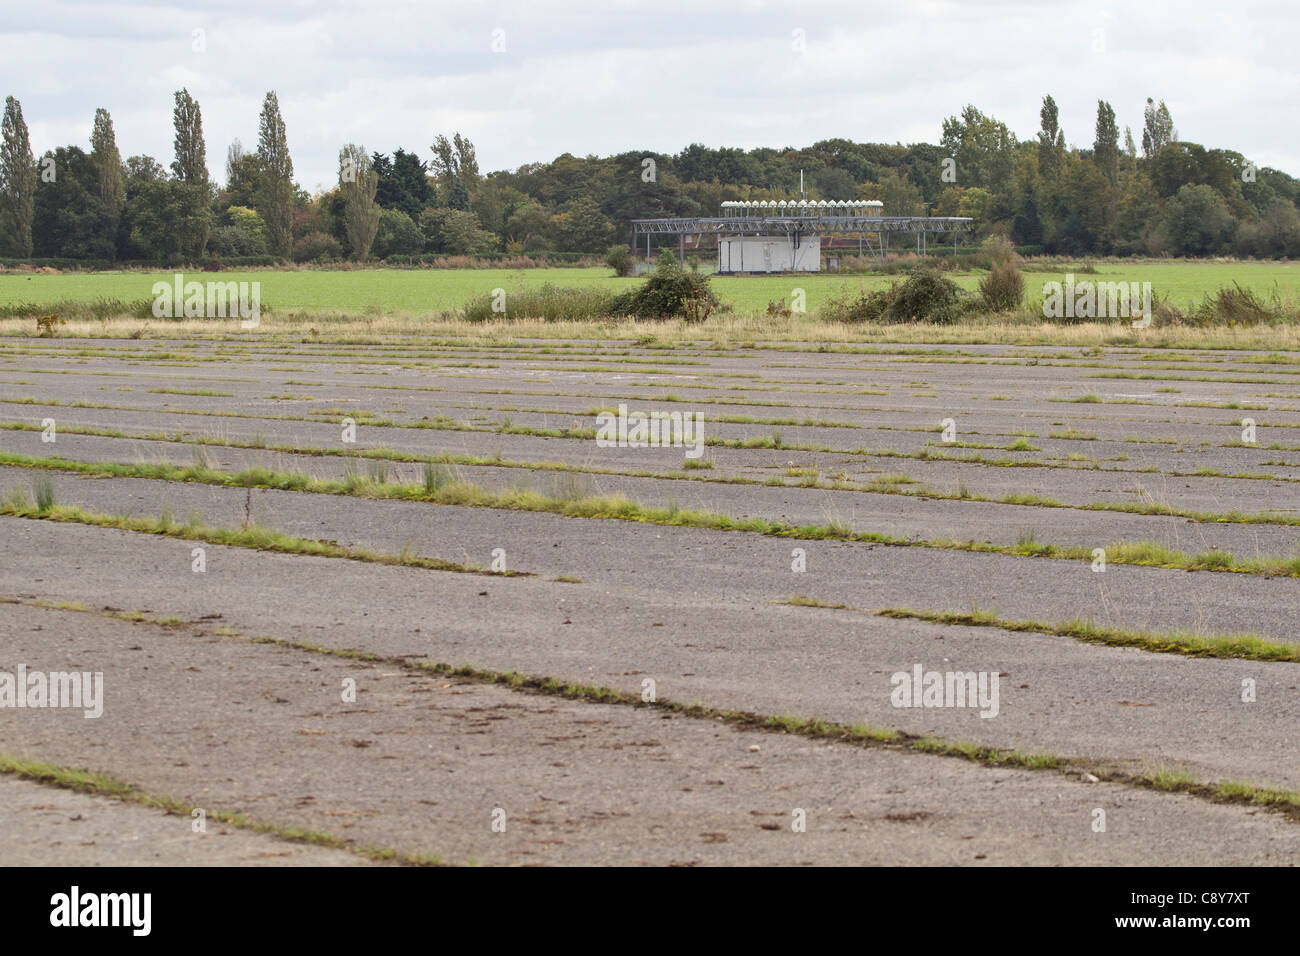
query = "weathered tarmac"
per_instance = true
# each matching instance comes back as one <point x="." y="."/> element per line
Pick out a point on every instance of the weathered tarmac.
<point x="428" y="766"/>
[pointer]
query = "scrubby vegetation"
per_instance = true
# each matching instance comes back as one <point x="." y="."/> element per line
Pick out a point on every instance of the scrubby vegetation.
<point x="1003" y="289"/>
<point x="550" y="302"/>
<point x="1233" y="306"/>
<point x="669" y="292"/>
<point x="925" y="296"/>
<point x="619" y="258"/>
<point x="74" y="309"/>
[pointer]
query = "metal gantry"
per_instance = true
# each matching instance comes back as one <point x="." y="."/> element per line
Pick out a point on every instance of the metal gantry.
<point x="872" y="232"/>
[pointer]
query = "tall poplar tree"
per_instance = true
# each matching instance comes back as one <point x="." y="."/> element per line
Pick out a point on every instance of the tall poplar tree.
<point x="1051" y="141"/>
<point x="1157" y="128"/>
<point x="190" y="168"/>
<point x="275" y="201"/>
<point x="17" y="181"/>
<point x="358" y="182"/>
<point x="1105" y="148"/>
<point x="107" y="161"/>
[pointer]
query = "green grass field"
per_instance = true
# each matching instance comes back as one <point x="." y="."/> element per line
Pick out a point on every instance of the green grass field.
<point x="432" y="291"/>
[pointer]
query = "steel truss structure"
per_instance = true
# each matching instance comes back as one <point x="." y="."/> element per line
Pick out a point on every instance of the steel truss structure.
<point x="872" y="232"/>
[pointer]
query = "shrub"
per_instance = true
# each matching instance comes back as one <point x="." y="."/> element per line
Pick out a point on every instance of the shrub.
<point x="619" y="258"/>
<point x="1003" y="288"/>
<point x="925" y="296"/>
<point x="227" y="241"/>
<point x="669" y="292"/>
<point x="866" y="307"/>
<point x="1238" y="306"/>
<point x="316" y="246"/>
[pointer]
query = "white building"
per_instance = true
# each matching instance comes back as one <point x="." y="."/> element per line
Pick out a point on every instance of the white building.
<point x="785" y="249"/>
<point x="770" y="254"/>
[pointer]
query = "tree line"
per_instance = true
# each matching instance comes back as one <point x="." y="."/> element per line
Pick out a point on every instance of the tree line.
<point x="1168" y="198"/>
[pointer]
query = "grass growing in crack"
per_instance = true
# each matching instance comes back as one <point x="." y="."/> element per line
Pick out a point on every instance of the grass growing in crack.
<point x="802" y="600"/>
<point x="102" y="785"/>
<point x="43" y="488"/>
<point x="1285" y="802"/>
<point x="252" y="536"/>
<point x="1166" y="776"/>
<point x="1073" y="435"/>
<point x="207" y="393"/>
<point x="1242" y="791"/>
<point x="436" y="477"/>
<point x="572" y="488"/>
<point x="1244" y="646"/>
<point x="573" y="497"/>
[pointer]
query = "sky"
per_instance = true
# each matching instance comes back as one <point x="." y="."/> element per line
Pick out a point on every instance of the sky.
<point x="529" y="81"/>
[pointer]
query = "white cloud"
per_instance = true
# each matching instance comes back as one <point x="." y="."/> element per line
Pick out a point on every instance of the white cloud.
<point x="608" y="77"/>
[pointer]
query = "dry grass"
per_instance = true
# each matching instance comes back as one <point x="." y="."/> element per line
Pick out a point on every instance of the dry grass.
<point x="719" y="329"/>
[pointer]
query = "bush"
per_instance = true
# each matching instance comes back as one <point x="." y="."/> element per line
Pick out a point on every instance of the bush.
<point x="670" y="292"/>
<point x="866" y="307"/>
<point x="925" y="296"/>
<point x="1003" y="289"/>
<point x="619" y="258"/>
<point x="229" y="241"/>
<point x="1236" y="306"/>
<point x="315" y="247"/>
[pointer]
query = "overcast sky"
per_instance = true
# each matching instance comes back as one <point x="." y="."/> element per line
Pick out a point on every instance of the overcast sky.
<point x="617" y="75"/>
